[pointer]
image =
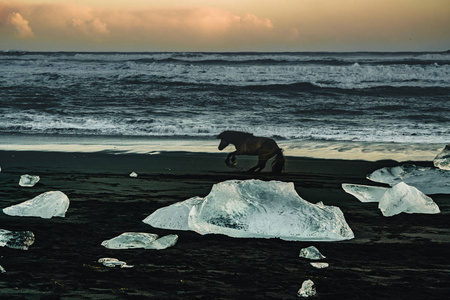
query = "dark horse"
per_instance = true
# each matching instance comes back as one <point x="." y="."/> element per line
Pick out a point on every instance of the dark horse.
<point x="248" y="144"/>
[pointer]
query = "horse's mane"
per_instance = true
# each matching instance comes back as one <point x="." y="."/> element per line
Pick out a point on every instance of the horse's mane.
<point x="234" y="134"/>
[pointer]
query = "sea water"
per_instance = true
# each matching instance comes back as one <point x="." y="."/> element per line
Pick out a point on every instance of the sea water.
<point x="333" y="105"/>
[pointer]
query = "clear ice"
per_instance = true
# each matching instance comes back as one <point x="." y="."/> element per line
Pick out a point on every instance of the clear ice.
<point x="113" y="262"/>
<point x="397" y="199"/>
<point x="442" y="160"/>
<point x="311" y="252"/>
<point x="320" y="265"/>
<point x="307" y="289"/>
<point x="428" y="180"/>
<point x="404" y="198"/>
<point x="16" y="239"/>
<point x="133" y="240"/>
<point x="46" y="205"/>
<point x="133" y="174"/>
<point x="28" y="180"/>
<point x="365" y="193"/>
<point x="255" y="209"/>
<point x="173" y="217"/>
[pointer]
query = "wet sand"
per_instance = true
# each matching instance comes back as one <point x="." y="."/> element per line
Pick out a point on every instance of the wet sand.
<point x="400" y="257"/>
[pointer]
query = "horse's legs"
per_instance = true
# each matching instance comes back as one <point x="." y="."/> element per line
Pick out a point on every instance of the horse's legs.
<point x="262" y="161"/>
<point x="231" y="156"/>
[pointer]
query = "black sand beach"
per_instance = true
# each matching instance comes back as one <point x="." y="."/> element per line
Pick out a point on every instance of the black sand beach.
<point x="400" y="257"/>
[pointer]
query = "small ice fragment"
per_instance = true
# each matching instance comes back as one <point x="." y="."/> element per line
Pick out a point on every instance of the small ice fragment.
<point x="307" y="289"/>
<point x="16" y="239"/>
<point x="126" y="266"/>
<point x="2" y="270"/>
<point x="133" y="174"/>
<point x="133" y="240"/>
<point x="319" y="265"/>
<point x="113" y="262"/>
<point x="404" y="198"/>
<point x="365" y="193"/>
<point x="311" y="252"/>
<point x="442" y="160"/>
<point x="46" y="205"/>
<point x="28" y="180"/>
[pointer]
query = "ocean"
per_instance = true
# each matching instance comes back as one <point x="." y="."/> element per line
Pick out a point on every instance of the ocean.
<point x="354" y="105"/>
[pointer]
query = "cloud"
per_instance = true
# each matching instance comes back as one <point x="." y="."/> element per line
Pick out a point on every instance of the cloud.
<point x="167" y="28"/>
<point x="88" y="27"/>
<point x="23" y="30"/>
<point x="251" y="25"/>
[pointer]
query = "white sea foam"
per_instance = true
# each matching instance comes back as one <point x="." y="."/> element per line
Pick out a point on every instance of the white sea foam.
<point x="255" y="71"/>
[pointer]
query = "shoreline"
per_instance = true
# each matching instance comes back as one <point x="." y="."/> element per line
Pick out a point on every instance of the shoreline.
<point x="347" y="150"/>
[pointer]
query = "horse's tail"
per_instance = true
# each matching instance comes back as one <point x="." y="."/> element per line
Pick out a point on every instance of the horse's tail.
<point x="278" y="163"/>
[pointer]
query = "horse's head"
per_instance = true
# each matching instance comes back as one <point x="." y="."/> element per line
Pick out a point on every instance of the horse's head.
<point x="223" y="141"/>
<point x="223" y="144"/>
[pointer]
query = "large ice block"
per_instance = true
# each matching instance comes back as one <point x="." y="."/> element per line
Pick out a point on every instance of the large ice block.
<point x="133" y="240"/>
<point x="442" y="160"/>
<point x="28" y="180"/>
<point x="365" y="193"/>
<point x="428" y="180"/>
<point x="174" y="216"/>
<point x="46" y="205"/>
<point x="404" y="198"/>
<point x="259" y="209"/>
<point x="16" y="239"/>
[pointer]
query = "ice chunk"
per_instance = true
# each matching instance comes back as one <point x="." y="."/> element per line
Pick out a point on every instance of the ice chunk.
<point x="16" y="239"/>
<point x="46" y="205"/>
<point x="28" y="180"/>
<point x="442" y="160"/>
<point x="307" y="289"/>
<point x="311" y="252"/>
<point x="132" y="240"/>
<point x="255" y="208"/>
<point x="259" y="209"/>
<point x="2" y="270"/>
<point x="133" y="174"/>
<point x="404" y="198"/>
<point x="173" y="217"/>
<point x="365" y="193"/>
<point x="113" y="262"/>
<point x="320" y="265"/>
<point x="426" y="179"/>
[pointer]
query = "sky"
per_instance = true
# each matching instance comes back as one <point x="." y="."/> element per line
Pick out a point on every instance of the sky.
<point x="225" y="25"/>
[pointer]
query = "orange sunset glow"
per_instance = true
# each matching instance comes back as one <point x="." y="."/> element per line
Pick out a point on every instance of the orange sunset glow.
<point x="285" y="25"/>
